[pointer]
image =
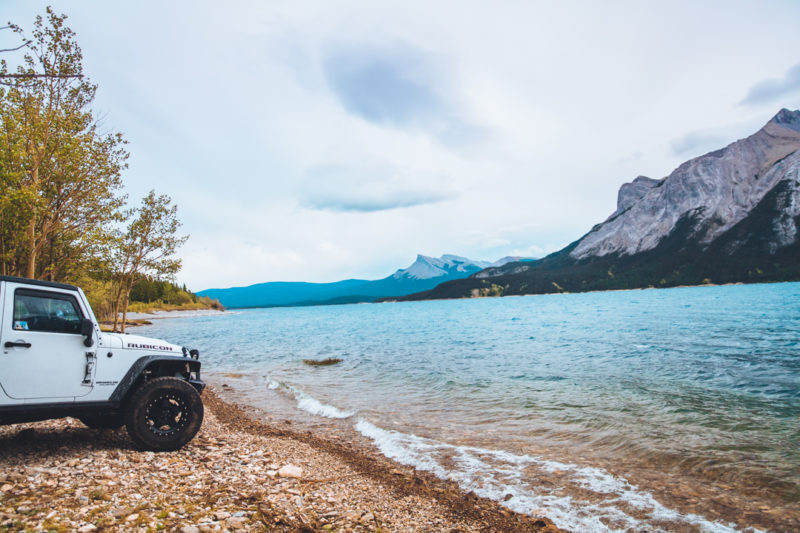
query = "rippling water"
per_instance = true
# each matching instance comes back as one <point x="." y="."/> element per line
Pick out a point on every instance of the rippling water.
<point x="674" y="409"/>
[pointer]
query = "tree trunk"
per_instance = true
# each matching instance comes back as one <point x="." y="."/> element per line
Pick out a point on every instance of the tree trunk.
<point x="125" y="302"/>
<point x="115" y="306"/>
<point x="125" y="309"/>
<point x="31" y="270"/>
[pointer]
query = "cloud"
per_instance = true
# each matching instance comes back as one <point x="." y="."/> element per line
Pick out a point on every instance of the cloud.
<point x="391" y="86"/>
<point x="698" y="142"/>
<point x="366" y="203"/>
<point x="536" y="251"/>
<point x="768" y="91"/>
<point x="400" y="87"/>
<point x="368" y="189"/>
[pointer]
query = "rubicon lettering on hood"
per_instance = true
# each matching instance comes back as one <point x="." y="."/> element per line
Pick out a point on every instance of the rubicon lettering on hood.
<point x="150" y="347"/>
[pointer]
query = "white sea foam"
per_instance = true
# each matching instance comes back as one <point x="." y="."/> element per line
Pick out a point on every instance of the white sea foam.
<point x="496" y="473"/>
<point x="315" y="407"/>
<point x="308" y="403"/>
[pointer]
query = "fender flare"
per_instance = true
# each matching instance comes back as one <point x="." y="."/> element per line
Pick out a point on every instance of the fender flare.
<point x="141" y="364"/>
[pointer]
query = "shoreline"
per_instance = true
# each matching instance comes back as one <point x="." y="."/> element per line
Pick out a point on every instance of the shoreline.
<point x="233" y="476"/>
<point x="677" y="500"/>
<point x="156" y="314"/>
<point x="144" y="318"/>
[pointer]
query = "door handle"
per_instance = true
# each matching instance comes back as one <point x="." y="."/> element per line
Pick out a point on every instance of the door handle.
<point x="21" y="344"/>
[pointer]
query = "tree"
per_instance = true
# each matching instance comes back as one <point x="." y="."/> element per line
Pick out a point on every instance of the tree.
<point x="147" y="247"/>
<point x="58" y="173"/>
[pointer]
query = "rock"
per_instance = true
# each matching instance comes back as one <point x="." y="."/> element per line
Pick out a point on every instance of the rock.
<point x="221" y="515"/>
<point x="630" y="193"/>
<point x="190" y="529"/>
<point x="367" y="519"/>
<point x="236" y="522"/>
<point x="132" y="518"/>
<point x="87" y="528"/>
<point x="291" y="471"/>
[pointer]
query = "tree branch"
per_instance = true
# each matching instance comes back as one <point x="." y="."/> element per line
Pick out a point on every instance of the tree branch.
<point x="23" y="45"/>
<point x="30" y="76"/>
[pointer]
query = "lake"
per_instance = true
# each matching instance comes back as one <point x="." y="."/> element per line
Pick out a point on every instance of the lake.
<point x="671" y="409"/>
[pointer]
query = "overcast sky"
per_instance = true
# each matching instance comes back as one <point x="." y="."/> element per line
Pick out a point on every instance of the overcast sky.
<point x="318" y="141"/>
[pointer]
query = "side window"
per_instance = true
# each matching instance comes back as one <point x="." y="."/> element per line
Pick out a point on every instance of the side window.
<point x="46" y="311"/>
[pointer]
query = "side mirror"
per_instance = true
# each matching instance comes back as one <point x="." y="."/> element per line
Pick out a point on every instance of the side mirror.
<point x="87" y="330"/>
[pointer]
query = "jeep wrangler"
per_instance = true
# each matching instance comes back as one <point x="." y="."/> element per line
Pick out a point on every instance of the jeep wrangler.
<point x="55" y="362"/>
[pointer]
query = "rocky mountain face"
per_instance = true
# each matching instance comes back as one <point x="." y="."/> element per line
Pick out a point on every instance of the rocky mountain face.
<point x="718" y="190"/>
<point x="728" y="216"/>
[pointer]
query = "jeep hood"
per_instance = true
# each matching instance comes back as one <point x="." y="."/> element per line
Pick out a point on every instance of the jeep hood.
<point x="139" y="343"/>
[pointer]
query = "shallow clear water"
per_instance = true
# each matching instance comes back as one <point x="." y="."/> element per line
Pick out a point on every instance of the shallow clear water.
<point x="674" y="409"/>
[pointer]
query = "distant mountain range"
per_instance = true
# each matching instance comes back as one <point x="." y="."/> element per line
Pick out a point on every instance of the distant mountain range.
<point x="728" y="216"/>
<point x="424" y="274"/>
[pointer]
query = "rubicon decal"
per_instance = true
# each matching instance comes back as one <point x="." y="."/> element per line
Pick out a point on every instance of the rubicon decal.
<point x="150" y="347"/>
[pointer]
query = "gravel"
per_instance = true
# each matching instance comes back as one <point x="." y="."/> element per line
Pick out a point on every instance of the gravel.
<point x="238" y="474"/>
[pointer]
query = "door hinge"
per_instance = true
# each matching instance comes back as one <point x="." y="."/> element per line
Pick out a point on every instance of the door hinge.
<point x="90" y="361"/>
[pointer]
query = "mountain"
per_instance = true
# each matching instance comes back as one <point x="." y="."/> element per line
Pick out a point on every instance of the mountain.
<point x="424" y="274"/>
<point x="447" y="265"/>
<point x="728" y="216"/>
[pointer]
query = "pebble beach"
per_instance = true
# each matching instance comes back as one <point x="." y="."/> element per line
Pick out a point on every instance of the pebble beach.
<point x="238" y="474"/>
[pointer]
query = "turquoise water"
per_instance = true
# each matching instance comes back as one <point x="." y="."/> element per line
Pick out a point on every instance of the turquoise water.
<point x="674" y="409"/>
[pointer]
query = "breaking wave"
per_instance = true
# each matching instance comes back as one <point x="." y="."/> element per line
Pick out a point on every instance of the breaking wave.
<point x="614" y="503"/>
<point x="308" y="403"/>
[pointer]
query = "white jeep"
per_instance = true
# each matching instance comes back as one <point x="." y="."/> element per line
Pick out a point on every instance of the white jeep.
<point x="55" y="362"/>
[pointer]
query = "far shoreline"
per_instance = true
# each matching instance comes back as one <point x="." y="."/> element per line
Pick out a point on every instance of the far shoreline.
<point x="144" y="318"/>
<point x="399" y="300"/>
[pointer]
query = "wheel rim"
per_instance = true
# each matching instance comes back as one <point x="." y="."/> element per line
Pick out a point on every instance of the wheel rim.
<point x="166" y="414"/>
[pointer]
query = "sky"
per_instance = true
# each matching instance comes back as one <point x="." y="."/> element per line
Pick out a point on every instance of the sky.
<point x="320" y="141"/>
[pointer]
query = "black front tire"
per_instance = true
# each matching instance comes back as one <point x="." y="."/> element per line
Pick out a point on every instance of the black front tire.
<point x="104" y="421"/>
<point x="163" y="414"/>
